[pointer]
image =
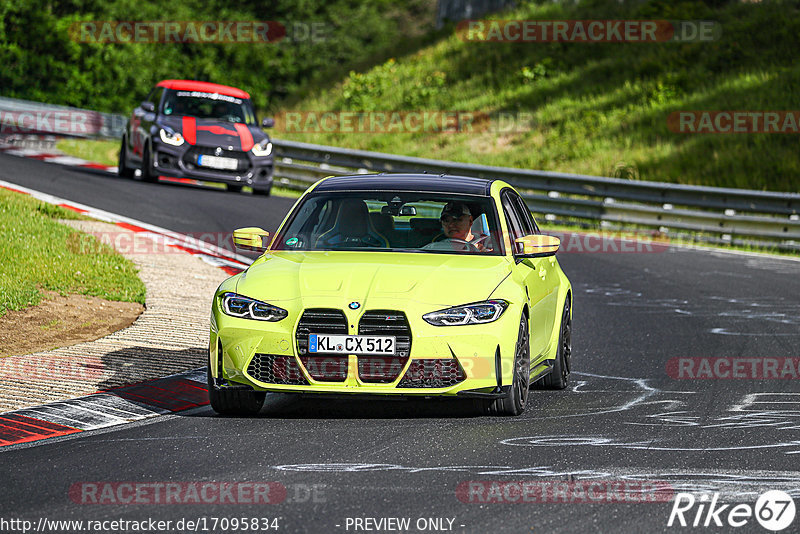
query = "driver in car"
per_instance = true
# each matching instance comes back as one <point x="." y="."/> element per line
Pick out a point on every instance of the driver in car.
<point x="457" y="219"/>
<point x="220" y="110"/>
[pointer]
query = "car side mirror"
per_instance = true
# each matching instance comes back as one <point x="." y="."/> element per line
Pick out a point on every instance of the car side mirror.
<point x="268" y="122"/>
<point x="251" y="238"/>
<point x="148" y="106"/>
<point x="537" y="246"/>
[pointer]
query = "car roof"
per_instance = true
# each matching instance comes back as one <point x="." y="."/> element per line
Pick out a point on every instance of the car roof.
<point x="438" y="183"/>
<point x="206" y="87"/>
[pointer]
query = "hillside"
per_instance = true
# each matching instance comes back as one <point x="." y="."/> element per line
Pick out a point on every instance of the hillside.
<point x="591" y="108"/>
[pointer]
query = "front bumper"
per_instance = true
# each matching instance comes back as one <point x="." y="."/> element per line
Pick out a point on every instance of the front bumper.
<point x="473" y="360"/>
<point x="181" y="162"/>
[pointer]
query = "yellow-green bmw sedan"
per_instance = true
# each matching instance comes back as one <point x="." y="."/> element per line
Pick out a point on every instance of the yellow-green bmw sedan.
<point x="395" y="285"/>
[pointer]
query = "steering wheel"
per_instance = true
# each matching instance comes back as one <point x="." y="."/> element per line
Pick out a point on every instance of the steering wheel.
<point x="480" y="240"/>
<point x="471" y="246"/>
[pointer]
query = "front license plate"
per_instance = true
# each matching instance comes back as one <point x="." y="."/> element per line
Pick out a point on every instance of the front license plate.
<point x="215" y="162"/>
<point x="331" y="344"/>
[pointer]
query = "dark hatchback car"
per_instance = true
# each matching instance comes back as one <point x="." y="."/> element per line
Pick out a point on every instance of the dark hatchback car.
<point x="198" y="130"/>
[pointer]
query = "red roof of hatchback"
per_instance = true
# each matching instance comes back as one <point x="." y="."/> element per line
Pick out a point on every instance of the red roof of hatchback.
<point x="205" y="87"/>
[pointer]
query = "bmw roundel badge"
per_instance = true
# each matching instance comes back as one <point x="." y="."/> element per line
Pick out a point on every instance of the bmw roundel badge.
<point x="354" y="305"/>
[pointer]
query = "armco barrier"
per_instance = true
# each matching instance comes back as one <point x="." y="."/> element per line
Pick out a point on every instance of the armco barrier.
<point x="718" y="214"/>
<point x="23" y="117"/>
<point x="727" y="215"/>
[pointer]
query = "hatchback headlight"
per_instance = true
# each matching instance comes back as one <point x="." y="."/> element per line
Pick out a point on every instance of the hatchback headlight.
<point x="476" y="313"/>
<point x="170" y="137"/>
<point x="264" y="148"/>
<point x="247" y="308"/>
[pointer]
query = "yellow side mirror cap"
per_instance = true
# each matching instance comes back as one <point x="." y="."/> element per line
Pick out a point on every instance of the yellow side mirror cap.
<point x="251" y="238"/>
<point x="538" y="245"/>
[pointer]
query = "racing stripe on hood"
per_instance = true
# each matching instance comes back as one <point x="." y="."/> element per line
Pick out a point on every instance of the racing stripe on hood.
<point x="189" y="126"/>
<point x="244" y="136"/>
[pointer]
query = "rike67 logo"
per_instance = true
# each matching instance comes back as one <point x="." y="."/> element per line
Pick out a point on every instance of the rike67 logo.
<point x="774" y="510"/>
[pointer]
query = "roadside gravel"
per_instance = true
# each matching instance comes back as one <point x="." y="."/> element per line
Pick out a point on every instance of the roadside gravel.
<point x="170" y="336"/>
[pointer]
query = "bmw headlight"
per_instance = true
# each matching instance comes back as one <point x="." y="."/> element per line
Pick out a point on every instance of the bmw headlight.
<point x="170" y="137"/>
<point x="247" y="308"/>
<point x="476" y="313"/>
<point x="264" y="148"/>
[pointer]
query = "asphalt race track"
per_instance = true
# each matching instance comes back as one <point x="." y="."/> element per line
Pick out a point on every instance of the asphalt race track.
<point x="624" y="418"/>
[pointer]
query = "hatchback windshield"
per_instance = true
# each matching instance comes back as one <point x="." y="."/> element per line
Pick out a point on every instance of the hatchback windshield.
<point x="394" y="221"/>
<point x="209" y="106"/>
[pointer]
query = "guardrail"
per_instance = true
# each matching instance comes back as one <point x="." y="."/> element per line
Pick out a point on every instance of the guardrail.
<point x="712" y="214"/>
<point x="23" y="117"/>
<point x="724" y="215"/>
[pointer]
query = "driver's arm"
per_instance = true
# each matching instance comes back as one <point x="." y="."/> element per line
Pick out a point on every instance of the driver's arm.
<point x="481" y="242"/>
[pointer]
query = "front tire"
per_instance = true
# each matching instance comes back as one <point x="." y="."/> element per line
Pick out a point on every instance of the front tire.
<point x="147" y="167"/>
<point x="262" y="192"/>
<point x="233" y="188"/>
<point x="559" y="375"/>
<point x="122" y="164"/>
<point x="234" y="401"/>
<point x="514" y="403"/>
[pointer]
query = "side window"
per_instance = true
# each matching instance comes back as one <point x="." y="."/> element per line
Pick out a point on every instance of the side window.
<point x="528" y="224"/>
<point x="155" y="97"/>
<point x="512" y="218"/>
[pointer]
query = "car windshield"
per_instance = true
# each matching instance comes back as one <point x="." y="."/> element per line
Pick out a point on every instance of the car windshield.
<point x="402" y="221"/>
<point x="209" y="106"/>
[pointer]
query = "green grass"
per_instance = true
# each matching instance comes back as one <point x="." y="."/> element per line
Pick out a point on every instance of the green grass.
<point x="597" y="109"/>
<point x="94" y="150"/>
<point x="39" y="254"/>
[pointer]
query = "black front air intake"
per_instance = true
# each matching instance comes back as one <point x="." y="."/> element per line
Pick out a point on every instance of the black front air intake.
<point x="384" y="369"/>
<point x="433" y="373"/>
<point x="276" y="369"/>
<point x="322" y="367"/>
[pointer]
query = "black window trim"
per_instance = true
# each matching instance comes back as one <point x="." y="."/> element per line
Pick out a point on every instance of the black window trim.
<point x="512" y="219"/>
<point x="526" y="213"/>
